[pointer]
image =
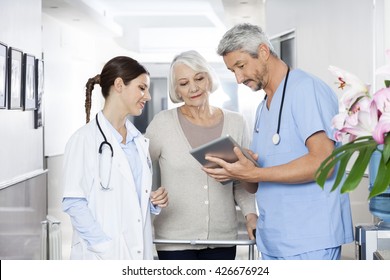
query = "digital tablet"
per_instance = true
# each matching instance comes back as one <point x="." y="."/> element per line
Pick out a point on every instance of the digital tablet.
<point x="221" y="148"/>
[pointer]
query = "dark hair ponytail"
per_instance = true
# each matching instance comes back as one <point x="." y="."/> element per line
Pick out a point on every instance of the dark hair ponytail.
<point x="88" y="93"/>
<point x="123" y="67"/>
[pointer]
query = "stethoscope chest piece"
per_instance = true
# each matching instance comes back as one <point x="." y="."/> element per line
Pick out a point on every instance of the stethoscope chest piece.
<point x="276" y="138"/>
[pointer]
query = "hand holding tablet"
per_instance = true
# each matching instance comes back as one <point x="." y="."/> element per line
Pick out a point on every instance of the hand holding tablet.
<point x="221" y="148"/>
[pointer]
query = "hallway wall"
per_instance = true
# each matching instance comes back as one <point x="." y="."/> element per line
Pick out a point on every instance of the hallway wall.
<point x="23" y="197"/>
<point x="21" y="145"/>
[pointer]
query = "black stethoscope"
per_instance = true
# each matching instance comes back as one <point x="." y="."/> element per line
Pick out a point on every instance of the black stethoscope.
<point x="105" y="160"/>
<point x="276" y="136"/>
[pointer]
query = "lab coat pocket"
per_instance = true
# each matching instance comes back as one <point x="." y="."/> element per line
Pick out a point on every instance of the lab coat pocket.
<point x="125" y="250"/>
<point x="104" y="250"/>
<point x="77" y="251"/>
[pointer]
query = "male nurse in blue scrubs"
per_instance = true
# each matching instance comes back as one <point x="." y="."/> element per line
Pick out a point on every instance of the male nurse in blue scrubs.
<point x="292" y="136"/>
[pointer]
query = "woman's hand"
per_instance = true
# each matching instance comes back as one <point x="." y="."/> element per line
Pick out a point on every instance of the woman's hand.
<point x="251" y="222"/>
<point x="159" y="197"/>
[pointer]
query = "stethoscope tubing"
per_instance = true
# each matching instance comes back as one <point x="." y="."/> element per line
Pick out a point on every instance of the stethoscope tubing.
<point x="276" y="136"/>
<point x="282" y="101"/>
<point x="103" y="167"/>
<point x="105" y="142"/>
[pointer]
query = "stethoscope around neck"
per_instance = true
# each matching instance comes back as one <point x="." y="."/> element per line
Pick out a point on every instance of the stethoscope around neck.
<point x="276" y="136"/>
<point x="106" y="153"/>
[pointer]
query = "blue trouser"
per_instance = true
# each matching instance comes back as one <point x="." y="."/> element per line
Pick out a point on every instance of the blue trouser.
<point x="323" y="254"/>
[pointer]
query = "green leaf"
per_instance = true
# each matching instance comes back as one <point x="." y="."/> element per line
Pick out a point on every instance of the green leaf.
<point x="322" y="172"/>
<point x="386" y="149"/>
<point x="342" y="167"/>
<point x="382" y="179"/>
<point x="387" y="83"/>
<point x="326" y="166"/>
<point x="365" y="146"/>
<point x="357" y="171"/>
<point x="356" y="144"/>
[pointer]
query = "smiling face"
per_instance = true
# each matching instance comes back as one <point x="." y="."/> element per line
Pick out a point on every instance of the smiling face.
<point x="136" y="94"/>
<point x="192" y="86"/>
<point x="252" y="72"/>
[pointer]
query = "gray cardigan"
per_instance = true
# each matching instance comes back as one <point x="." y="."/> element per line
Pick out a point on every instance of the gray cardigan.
<point x="199" y="207"/>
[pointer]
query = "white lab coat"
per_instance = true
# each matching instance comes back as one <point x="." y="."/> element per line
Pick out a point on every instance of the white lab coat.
<point x="117" y="210"/>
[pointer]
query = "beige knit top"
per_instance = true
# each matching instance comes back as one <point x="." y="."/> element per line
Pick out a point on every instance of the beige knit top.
<point x="199" y="207"/>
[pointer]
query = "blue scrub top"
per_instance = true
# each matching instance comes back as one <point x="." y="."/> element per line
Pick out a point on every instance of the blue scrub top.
<point x="298" y="218"/>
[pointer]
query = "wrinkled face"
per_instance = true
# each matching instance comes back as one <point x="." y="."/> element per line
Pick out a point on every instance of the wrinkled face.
<point x="193" y="87"/>
<point x="136" y="94"/>
<point x="252" y="72"/>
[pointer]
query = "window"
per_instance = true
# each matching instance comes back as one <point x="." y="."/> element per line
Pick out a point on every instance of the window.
<point x="284" y="46"/>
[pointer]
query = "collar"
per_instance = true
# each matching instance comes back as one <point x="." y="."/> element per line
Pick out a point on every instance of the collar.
<point x="132" y="131"/>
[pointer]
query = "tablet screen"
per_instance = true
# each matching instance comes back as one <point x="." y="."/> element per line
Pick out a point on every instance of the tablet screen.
<point x="222" y="148"/>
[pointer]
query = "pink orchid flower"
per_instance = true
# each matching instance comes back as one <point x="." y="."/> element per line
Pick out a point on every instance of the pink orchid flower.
<point x="356" y="88"/>
<point x="382" y="100"/>
<point x="365" y="112"/>
<point x="382" y="128"/>
<point x="338" y="122"/>
<point x="360" y="120"/>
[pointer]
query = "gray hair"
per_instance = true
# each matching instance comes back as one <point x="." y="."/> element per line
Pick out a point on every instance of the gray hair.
<point x="197" y="63"/>
<point x="245" y="37"/>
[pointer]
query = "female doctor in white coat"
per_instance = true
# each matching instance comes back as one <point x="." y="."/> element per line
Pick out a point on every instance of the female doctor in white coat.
<point x="108" y="172"/>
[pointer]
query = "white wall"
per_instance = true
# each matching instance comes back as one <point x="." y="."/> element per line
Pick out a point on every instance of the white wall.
<point x="70" y="59"/>
<point x="22" y="192"/>
<point x="21" y="149"/>
<point x="327" y="33"/>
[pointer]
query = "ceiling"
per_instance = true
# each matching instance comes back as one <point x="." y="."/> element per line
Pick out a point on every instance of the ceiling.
<point x="157" y="27"/>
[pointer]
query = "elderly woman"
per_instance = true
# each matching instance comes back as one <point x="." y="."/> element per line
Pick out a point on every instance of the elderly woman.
<point x="200" y="207"/>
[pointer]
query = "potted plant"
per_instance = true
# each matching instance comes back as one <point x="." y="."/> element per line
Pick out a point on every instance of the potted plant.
<point x="364" y="124"/>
